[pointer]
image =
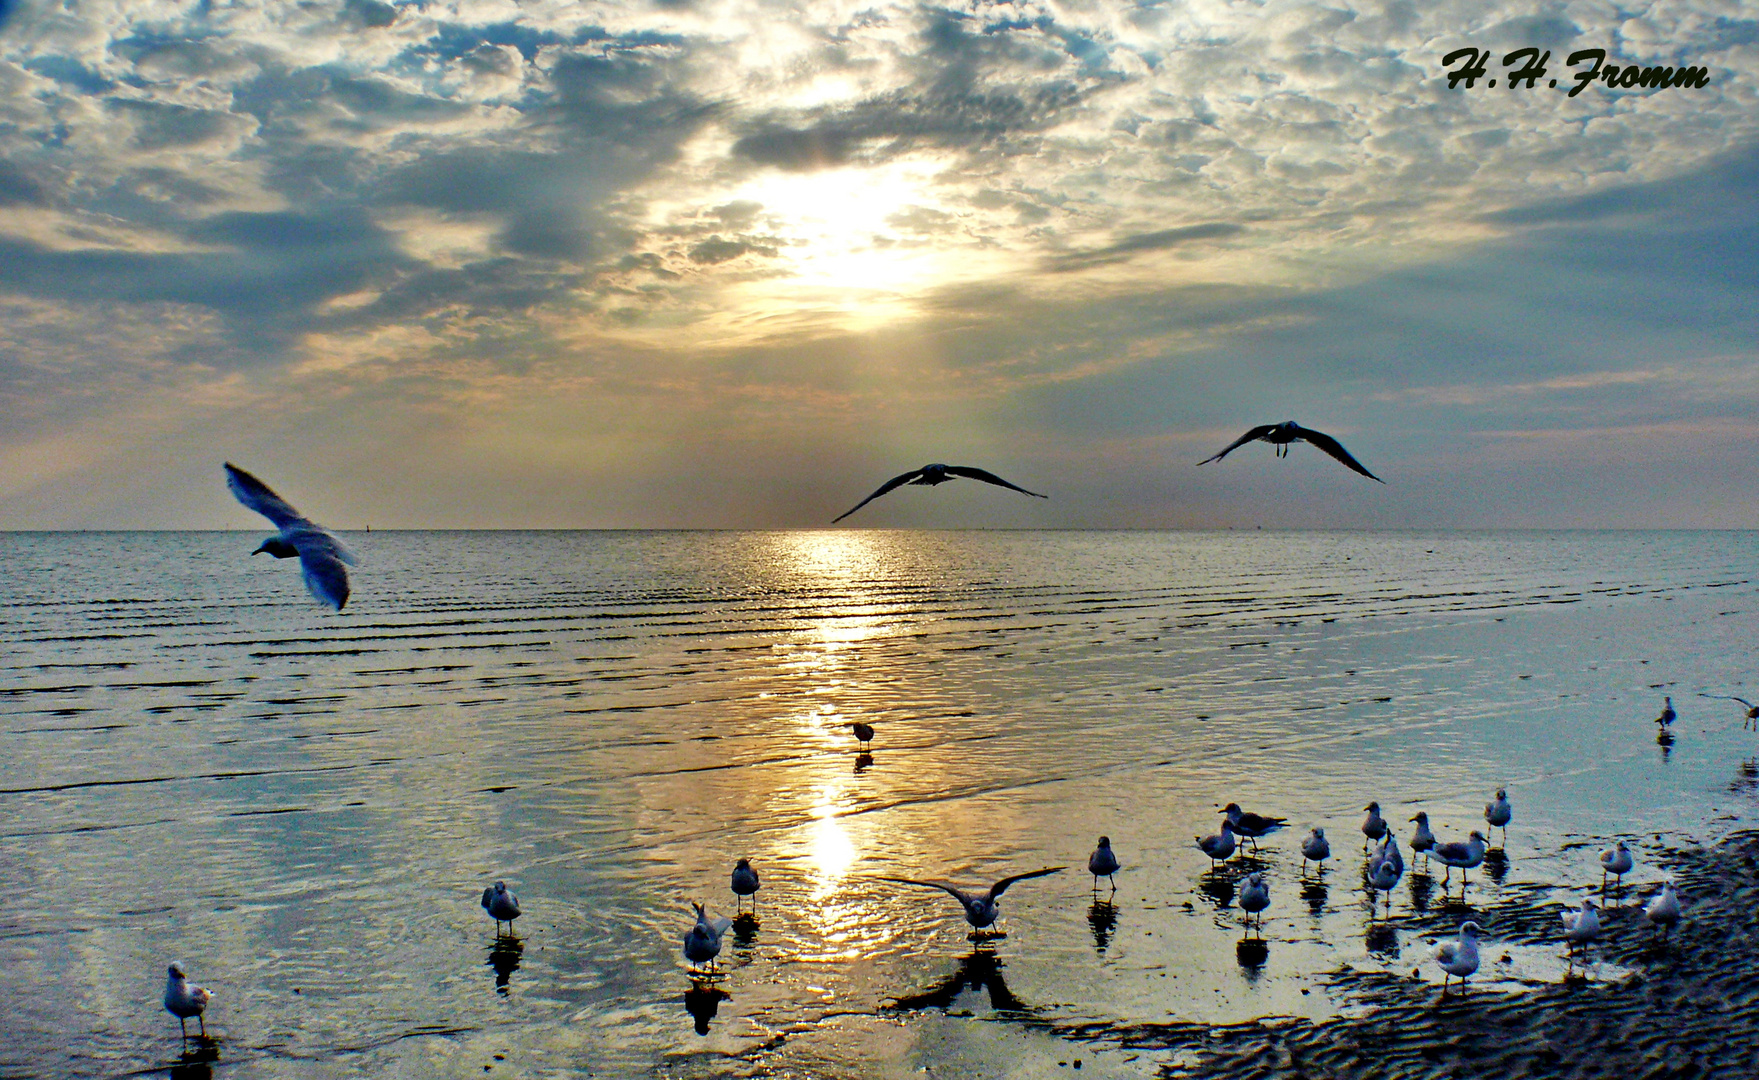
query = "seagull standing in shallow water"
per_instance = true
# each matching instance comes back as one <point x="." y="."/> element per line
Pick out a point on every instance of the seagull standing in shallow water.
<point x="321" y="555"/>
<point x="936" y="474"/>
<point x="1664" y="910"/>
<point x="1422" y="841"/>
<point x="1252" y="826"/>
<point x="502" y="906"/>
<point x="1373" y="826"/>
<point x="1616" y="861"/>
<point x="1465" y="856"/>
<point x="1254" y="898"/>
<point x="1498" y="813"/>
<point x="1581" y="927"/>
<point x="980" y="911"/>
<point x="1668" y="716"/>
<point x="863" y="733"/>
<point x="1219" y="846"/>
<point x="1103" y="861"/>
<point x="1317" y="848"/>
<point x="745" y="883"/>
<point x="184" y="1001"/>
<point x="1281" y="435"/>
<point x="1460" y="956"/>
<point x="1384" y="875"/>
<point x="703" y="943"/>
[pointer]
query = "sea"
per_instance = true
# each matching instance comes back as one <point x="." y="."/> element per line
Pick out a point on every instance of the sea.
<point x="200" y="763"/>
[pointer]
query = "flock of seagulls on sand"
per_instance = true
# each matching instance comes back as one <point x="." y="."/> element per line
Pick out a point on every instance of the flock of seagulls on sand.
<point x="324" y="562"/>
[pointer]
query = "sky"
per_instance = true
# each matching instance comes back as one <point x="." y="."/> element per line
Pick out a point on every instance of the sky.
<point x="734" y="264"/>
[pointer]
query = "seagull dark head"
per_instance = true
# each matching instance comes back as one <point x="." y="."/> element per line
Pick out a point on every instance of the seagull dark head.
<point x="277" y="547"/>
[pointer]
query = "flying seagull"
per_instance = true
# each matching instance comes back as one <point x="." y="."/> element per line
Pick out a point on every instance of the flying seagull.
<point x="321" y="555"/>
<point x="1281" y="435"/>
<point x="980" y="911"/>
<point x="937" y="474"/>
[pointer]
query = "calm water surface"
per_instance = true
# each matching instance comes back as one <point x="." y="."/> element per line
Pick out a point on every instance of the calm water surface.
<point x="199" y="763"/>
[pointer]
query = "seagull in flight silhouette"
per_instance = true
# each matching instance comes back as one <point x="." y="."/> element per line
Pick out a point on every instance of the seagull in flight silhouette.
<point x="980" y="911"/>
<point x="1281" y="435"/>
<point x="321" y="555"/>
<point x="938" y="474"/>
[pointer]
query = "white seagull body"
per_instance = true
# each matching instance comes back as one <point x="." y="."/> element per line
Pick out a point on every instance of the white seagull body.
<point x="936" y="474"/>
<point x="501" y="905"/>
<point x="1103" y="863"/>
<point x="1387" y="852"/>
<point x="1499" y="812"/>
<point x="184" y="1000"/>
<point x="1316" y="847"/>
<point x="1281" y="435"/>
<point x="1254" y="898"/>
<point x="1460" y="956"/>
<point x="1581" y="927"/>
<point x="980" y="911"/>
<point x="1384" y="876"/>
<point x="703" y="943"/>
<point x="1616" y="861"/>
<point x="1664" y="910"/>
<point x="323" y="560"/>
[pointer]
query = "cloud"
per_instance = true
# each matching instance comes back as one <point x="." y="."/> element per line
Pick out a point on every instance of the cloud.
<point x="1130" y="246"/>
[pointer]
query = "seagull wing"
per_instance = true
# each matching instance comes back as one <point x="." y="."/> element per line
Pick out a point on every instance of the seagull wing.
<point x="321" y="564"/>
<point x="990" y="478"/>
<point x="895" y="481"/>
<point x="720" y="925"/>
<point x="1335" y="449"/>
<point x="256" y="495"/>
<point x="1258" y="432"/>
<point x="1000" y="887"/>
<point x="964" y="900"/>
<point x="488" y="895"/>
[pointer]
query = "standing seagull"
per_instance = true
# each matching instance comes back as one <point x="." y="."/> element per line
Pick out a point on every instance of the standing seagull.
<point x="321" y="555"/>
<point x="1616" y="861"/>
<point x="1384" y="875"/>
<point x="502" y="906"/>
<point x="1581" y="927"/>
<point x="1460" y="956"/>
<point x="1254" y="898"/>
<point x="980" y="911"/>
<point x="1281" y="435"/>
<point x="936" y="474"/>
<point x="1102" y="861"/>
<point x="1499" y="813"/>
<point x="1219" y="846"/>
<point x="1317" y="848"/>
<point x="1252" y="826"/>
<point x="703" y="943"/>
<point x="1465" y="856"/>
<point x="1373" y="826"/>
<point x="1664" y="910"/>
<point x="745" y="884"/>
<point x="1667" y="716"/>
<point x="1422" y="841"/>
<point x="863" y="733"/>
<point x="184" y="1001"/>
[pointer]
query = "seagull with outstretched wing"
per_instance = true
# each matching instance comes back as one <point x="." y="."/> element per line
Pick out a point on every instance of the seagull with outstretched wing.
<point x="1281" y="435"/>
<point x="323" y="560"/>
<point x="937" y="474"/>
<point x="980" y="911"/>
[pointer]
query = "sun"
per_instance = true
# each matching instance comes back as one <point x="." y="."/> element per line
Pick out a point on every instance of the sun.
<point x="841" y="230"/>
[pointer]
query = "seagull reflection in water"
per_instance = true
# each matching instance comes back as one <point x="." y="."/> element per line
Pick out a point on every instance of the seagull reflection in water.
<point x="1381" y="940"/>
<point x="1252" y="953"/>
<point x="863" y="762"/>
<point x="981" y="970"/>
<point x="1496" y="864"/>
<point x="1422" y="888"/>
<point x="1665" y="741"/>
<point x="1103" y="918"/>
<point x="1315" y="893"/>
<point x="504" y="958"/>
<point x="702" y="1001"/>
<point x="1218" y="885"/>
